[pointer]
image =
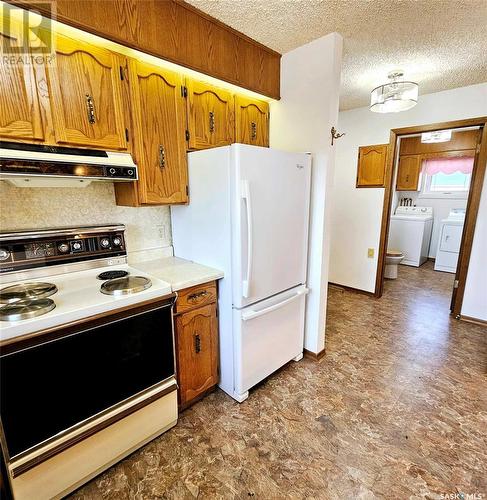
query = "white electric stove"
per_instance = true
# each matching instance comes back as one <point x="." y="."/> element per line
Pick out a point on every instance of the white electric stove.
<point x="86" y="356"/>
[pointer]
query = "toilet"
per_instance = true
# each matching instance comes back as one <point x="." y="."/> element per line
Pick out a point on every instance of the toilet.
<point x="393" y="257"/>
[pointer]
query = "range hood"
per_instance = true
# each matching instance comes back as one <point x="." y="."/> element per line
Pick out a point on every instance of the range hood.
<point x="35" y="165"/>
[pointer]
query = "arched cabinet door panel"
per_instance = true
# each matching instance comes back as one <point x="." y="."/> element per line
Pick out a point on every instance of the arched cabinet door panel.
<point x="251" y="121"/>
<point x="210" y="116"/>
<point x="86" y="96"/>
<point x="159" y="126"/>
<point x="20" y="113"/>
<point x="371" y="166"/>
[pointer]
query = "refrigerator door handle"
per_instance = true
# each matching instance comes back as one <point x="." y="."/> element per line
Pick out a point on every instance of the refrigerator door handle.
<point x="248" y="206"/>
<point x="246" y="316"/>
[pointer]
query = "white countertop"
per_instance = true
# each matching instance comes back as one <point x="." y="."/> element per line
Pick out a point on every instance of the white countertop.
<point x="179" y="273"/>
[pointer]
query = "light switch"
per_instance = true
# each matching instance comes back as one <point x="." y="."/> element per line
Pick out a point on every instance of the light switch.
<point x="370" y="253"/>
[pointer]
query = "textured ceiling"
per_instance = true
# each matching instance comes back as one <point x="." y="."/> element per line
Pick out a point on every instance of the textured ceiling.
<point x="440" y="44"/>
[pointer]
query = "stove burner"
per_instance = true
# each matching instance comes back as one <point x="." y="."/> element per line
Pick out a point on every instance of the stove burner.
<point x="110" y="275"/>
<point x="125" y="286"/>
<point x="26" y="291"/>
<point x="25" y="309"/>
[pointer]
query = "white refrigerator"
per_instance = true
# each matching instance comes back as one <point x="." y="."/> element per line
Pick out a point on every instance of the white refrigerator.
<point x="248" y="216"/>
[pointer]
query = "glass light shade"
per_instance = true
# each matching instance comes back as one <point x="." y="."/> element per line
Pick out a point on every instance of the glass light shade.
<point x="437" y="136"/>
<point x="394" y="97"/>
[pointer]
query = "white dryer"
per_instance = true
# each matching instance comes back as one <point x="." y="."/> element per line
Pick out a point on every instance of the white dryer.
<point x="449" y="241"/>
<point x="410" y="233"/>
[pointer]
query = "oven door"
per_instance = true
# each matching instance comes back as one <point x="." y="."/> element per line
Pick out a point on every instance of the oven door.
<point x="58" y="381"/>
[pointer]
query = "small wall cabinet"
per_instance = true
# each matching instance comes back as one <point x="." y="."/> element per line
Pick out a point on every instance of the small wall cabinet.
<point x="86" y="96"/>
<point x="159" y="143"/>
<point x="371" y="165"/>
<point x="20" y="113"/>
<point x="196" y="334"/>
<point x="251" y="121"/>
<point x="408" y="173"/>
<point x="210" y="116"/>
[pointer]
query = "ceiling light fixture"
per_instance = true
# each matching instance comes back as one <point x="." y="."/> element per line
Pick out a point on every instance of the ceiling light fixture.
<point x="437" y="136"/>
<point x="397" y="95"/>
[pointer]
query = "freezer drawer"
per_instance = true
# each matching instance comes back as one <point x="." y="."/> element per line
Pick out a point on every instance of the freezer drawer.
<point x="268" y="335"/>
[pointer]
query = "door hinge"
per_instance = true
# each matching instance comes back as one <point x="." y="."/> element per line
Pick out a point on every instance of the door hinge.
<point x="477" y="149"/>
<point x="187" y="135"/>
<point x="122" y="77"/>
<point x="187" y="190"/>
<point x="127" y="134"/>
<point x="184" y="91"/>
<point x="455" y="284"/>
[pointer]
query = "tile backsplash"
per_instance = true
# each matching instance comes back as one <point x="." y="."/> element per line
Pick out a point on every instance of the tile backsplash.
<point x="21" y="208"/>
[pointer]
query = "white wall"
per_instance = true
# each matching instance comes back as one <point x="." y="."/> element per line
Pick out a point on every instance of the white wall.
<point x="441" y="209"/>
<point x="301" y="121"/>
<point x="475" y="297"/>
<point x="356" y="213"/>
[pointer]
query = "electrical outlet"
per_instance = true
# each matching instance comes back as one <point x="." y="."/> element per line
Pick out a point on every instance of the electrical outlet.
<point x="370" y="253"/>
<point x="161" y="230"/>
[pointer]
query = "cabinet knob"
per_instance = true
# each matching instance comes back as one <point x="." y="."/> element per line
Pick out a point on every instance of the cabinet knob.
<point x="162" y="156"/>
<point x="212" y="121"/>
<point x="253" y="131"/>
<point x="90" y="107"/>
<point x="197" y="343"/>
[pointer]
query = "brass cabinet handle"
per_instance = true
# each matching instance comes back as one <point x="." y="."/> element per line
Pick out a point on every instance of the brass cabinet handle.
<point x="162" y="156"/>
<point x="212" y="121"/>
<point x="90" y="107"/>
<point x="197" y="343"/>
<point x="253" y="131"/>
<point x="197" y="295"/>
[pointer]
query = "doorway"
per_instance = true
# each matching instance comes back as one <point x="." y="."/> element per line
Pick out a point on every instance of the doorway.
<point x="418" y="171"/>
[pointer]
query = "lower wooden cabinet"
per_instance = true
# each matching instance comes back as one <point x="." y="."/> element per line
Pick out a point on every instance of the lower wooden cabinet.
<point x="196" y="334"/>
<point x="408" y="173"/>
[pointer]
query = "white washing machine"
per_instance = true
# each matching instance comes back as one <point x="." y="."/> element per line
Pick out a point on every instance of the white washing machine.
<point x="449" y="241"/>
<point x="410" y="233"/>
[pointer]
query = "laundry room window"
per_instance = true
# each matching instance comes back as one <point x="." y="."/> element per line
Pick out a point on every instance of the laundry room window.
<point x="446" y="177"/>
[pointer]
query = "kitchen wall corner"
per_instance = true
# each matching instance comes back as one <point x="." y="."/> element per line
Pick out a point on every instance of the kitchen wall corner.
<point x="148" y="228"/>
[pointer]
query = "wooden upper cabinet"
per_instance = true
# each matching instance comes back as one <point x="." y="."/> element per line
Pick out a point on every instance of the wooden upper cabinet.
<point x="251" y="121"/>
<point x="371" y="166"/>
<point x="20" y="114"/>
<point x="197" y="352"/>
<point x="159" y="128"/>
<point x="86" y="96"/>
<point x="408" y="173"/>
<point x="210" y="116"/>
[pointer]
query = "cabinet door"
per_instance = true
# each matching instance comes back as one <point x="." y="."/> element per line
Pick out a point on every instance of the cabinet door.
<point x="371" y="166"/>
<point x="86" y="97"/>
<point x="20" y="115"/>
<point x="251" y="121"/>
<point x="197" y="351"/>
<point x="210" y="116"/>
<point x="408" y="173"/>
<point x="159" y="117"/>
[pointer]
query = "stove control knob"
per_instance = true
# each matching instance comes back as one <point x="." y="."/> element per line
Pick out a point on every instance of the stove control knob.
<point x="77" y="245"/>
<point x="4" y="254"/>
<point x="63" y="247"/>
<point x="117" y="241"/>
<point x="105" y="242"/>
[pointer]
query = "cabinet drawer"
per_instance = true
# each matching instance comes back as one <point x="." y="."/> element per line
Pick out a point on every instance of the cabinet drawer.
<point x="196" y="296"/>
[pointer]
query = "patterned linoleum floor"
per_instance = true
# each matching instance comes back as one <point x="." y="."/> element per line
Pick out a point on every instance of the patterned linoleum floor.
<point x="396" y="409"/>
